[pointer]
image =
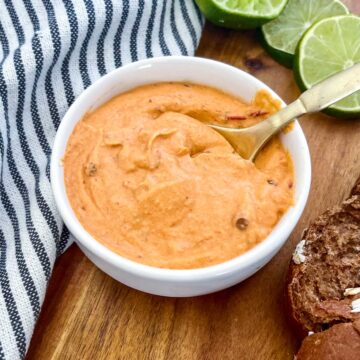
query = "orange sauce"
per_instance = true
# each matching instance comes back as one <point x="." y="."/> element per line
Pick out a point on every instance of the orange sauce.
<point x="149" y="180"/>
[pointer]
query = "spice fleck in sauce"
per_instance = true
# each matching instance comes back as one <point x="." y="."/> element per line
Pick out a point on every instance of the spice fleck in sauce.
<point x="150" y="181"/>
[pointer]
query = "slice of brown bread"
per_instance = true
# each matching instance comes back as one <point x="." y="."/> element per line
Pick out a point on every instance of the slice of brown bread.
<point x="324" y="276"/>
<point x="340" y="342"/>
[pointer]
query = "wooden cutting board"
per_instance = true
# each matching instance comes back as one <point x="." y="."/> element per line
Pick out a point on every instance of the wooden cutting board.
<point x="88" y="315"/>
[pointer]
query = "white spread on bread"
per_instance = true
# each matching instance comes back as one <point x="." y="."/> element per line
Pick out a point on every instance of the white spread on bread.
<point x="298" y="256"/>
<point x="355" y="305"/>
<point x="352" y="291"/>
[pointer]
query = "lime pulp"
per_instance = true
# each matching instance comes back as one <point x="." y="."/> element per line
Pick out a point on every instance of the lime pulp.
<point x="330" y="46"/>
<point x="281" y="36"/>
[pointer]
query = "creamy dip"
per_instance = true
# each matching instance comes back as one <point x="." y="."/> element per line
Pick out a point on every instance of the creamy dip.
<point x="149" y="180"/>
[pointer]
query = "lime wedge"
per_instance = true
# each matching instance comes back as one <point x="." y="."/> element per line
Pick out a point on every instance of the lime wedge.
<point x="329" y="46"/>
<point x="241" y="14"/>
<point x="281" y="36"/>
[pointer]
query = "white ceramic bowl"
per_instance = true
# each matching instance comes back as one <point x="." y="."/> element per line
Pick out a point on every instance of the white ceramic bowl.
<point x="165" y="281"/>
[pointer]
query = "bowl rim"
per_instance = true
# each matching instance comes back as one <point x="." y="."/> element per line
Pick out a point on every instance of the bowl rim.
<point x="253" y="256"/>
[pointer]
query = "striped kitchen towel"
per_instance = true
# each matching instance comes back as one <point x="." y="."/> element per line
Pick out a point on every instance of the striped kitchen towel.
<point x="51" y="50"/>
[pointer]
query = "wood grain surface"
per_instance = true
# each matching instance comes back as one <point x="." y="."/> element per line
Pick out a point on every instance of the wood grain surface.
<point x="88" y="315"/>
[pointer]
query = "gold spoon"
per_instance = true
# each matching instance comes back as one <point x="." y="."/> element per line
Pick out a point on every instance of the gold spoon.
<point x="248" y="141"/>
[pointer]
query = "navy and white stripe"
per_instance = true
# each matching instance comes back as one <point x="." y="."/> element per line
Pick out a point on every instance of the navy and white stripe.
<point x="50" y="51"/>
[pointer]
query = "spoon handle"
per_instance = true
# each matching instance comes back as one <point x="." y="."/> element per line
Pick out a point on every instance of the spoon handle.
<point x="248" y="141"/>
<point x="319" y="97"/>
<point x="332" y="89"/>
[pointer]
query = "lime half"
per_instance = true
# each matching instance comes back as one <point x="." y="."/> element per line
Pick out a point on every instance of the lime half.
<point x="329" y="46"/>
<point x="281" y="36"/>
<point x="241" y="14"/>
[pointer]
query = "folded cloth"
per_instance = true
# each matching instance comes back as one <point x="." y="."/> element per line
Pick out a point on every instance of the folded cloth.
<point x="50" y="52"/>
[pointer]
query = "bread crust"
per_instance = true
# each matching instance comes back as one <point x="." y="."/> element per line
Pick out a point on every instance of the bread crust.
<point x="356" y="189"/>
<point x="340" y="342"/>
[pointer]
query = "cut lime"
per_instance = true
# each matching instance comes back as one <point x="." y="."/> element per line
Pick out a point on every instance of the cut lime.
<point x="329" y="46"/>
<point x="241" y="14"/>
<point x="281" y="36"/>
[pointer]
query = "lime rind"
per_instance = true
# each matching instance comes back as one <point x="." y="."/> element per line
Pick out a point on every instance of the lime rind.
<point x="239" y="14"/>
<point x="282" y="35"/>
<point x="329" y="46"/>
